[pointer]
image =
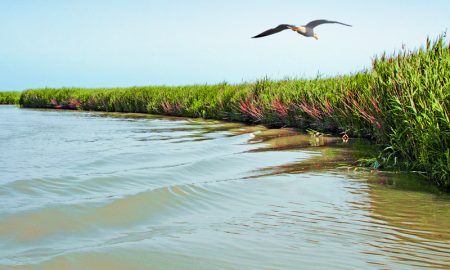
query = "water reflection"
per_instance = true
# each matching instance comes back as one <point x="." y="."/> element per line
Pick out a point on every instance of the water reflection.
<point x="417" y="223"/>
<point x="141" y="192"/>
<point x="411" y="216"/>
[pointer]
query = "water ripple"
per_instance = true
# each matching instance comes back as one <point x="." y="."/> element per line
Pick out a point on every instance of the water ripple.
<point x="115" y="191"/>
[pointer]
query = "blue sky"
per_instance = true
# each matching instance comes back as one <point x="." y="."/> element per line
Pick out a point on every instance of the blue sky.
<point x="100" y="43"/>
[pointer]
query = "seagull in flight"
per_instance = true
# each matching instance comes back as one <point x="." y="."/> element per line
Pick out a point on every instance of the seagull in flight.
<point x="305" y="30"/>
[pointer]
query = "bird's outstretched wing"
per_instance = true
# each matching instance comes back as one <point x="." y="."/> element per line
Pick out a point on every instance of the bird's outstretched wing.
<point x="275" y="30"/>
<point x="319" y="22"/>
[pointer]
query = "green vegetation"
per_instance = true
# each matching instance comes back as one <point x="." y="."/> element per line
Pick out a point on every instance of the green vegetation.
<point x="402" y="103"/>
<point x="9" y="97"/>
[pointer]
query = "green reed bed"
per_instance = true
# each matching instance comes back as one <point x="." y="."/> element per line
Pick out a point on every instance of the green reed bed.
<point x="402" y="103"/>
<point x="9" y="97"/>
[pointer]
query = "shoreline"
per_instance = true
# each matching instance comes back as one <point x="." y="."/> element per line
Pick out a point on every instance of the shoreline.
<point x="396" y="104"/>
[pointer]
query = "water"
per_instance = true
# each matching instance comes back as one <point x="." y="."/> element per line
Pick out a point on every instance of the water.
<point x="85" y="190"/>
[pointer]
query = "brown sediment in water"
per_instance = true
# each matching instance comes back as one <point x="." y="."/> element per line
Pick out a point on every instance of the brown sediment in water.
<point x="419" y="234"/>
<point x="137" y="205"/>
<point x="327" y="152"/>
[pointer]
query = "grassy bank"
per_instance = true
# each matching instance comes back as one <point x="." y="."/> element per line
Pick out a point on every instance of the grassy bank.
<point x="402" y="102"/>
<point x="9" y="97"/>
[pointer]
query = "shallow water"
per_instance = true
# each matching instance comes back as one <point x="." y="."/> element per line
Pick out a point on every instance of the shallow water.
<point x="83" y="190"/>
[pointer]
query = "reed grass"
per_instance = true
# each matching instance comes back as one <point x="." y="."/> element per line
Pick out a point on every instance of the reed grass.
<point x="9" y="97"/>
<point x="402" y="103"/>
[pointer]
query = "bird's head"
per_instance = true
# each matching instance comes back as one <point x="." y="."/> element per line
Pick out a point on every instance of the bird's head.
<point x="316" y="36"/>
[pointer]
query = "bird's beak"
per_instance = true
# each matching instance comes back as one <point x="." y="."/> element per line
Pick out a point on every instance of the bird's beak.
<point x="316" y="37"/>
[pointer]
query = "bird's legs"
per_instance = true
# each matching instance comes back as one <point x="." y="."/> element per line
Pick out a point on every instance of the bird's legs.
<point x="316" y="37"/>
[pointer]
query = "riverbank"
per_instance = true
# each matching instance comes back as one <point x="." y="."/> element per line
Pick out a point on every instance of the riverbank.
<point x="402" y="103"/>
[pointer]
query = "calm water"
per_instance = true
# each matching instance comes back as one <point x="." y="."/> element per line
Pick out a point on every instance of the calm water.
<point x="94" y="191"/>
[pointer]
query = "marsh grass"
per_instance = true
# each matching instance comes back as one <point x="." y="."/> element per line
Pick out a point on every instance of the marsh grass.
<point x="9" y="97"/>
<point x="402" y="103"/>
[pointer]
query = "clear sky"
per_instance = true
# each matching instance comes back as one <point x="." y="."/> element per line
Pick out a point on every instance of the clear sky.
<point x="107" y="43"/>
